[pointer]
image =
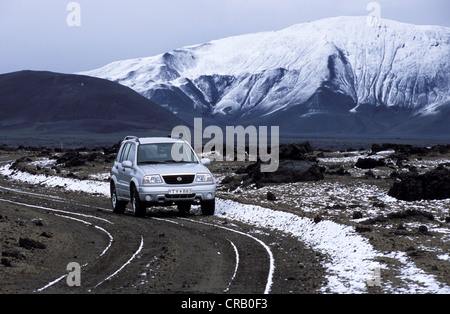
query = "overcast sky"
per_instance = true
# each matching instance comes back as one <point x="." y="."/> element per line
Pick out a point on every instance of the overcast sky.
<point x="35" y="35"/>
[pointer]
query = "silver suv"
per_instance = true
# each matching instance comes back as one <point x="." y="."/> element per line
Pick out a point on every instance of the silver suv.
<point x="160" y="171"/>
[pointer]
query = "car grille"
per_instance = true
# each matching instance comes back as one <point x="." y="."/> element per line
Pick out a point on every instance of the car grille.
<point x="179" y="179"/>
<point x="179" y="196"/>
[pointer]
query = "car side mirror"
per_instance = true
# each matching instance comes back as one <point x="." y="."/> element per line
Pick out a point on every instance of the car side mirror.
<point x="127" y="164"/>
<point x="205" y="161"/>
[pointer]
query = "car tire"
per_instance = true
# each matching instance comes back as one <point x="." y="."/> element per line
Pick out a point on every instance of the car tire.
<point x="208" y="207"/>
<point x="139" y="208"/>
<point x="117" y="206"/>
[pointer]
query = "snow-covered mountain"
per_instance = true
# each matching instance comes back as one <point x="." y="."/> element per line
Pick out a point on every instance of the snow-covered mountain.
<point x="337" y="75"/>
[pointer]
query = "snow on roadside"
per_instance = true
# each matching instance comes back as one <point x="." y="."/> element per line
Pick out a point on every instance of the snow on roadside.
<point x="351" y="257"/>
<point x="70" y="184"/>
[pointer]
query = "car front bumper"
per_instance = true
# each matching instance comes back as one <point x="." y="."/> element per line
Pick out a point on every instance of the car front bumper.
<point x="177" y="193"/>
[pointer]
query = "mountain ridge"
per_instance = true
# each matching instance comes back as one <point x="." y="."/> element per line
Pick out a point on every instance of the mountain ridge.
<point x="36" y="103"/>
<point x="331" y="69"/>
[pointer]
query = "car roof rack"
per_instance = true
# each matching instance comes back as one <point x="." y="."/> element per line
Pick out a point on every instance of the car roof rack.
<point x="131" y="137"/>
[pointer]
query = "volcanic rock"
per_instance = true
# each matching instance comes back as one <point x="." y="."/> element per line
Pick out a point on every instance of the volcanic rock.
<point x="434" y="184"/>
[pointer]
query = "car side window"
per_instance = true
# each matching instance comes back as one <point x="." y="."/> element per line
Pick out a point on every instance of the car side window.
<point x="120" y="152"/>
<point x="124" y="152"/>
<point x="131" y="153"/>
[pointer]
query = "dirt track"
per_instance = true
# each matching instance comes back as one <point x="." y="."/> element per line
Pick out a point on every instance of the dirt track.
<point x="162" y="253"/>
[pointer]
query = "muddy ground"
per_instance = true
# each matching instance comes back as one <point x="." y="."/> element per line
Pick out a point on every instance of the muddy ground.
<point x="38" y="243"/>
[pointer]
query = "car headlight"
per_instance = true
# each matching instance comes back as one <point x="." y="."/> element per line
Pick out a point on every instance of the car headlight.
<point x="153" y="179"/>
<point x="203" y="177"/>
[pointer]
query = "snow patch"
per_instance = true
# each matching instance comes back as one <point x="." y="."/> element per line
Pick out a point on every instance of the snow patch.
<point x="88" y="186"/>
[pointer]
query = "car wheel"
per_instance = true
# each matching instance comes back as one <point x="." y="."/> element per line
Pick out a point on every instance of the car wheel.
<point x="117" y="206"/>
<point x="137" y="205"/>
<point x="208" y="207"/>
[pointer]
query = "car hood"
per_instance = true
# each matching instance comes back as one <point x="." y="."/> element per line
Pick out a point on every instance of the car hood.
<point x="175" y="168"/>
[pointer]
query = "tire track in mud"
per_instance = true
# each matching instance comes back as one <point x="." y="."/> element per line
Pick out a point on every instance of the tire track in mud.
<point x="69" y="219"/>
<point x="264" y="245"/>
<point x="189" y="255"/>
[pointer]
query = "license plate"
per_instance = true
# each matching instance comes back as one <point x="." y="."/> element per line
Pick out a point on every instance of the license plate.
<point x="180" y="191"/>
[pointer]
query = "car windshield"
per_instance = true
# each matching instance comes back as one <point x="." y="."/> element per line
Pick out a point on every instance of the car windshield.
<point x="161" y="153"/>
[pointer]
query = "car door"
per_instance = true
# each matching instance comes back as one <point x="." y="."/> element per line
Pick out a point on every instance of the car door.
<point x="127" y="173"/>
<point x="115" y="168"/>
<point x="121" y="186"/>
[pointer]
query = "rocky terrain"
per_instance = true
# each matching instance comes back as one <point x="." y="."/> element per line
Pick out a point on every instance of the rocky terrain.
<point x="396" y="196"/>
<point x="392" y="198"/>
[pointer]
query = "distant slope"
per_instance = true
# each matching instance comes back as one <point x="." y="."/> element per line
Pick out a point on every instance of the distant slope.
<point x="327" y="77"/>
<point x="54" y="104"/>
